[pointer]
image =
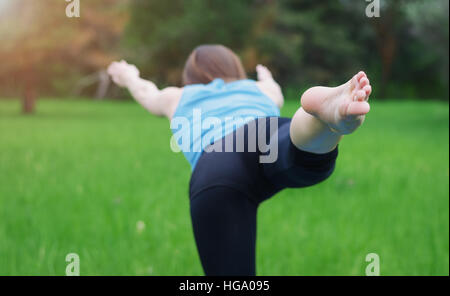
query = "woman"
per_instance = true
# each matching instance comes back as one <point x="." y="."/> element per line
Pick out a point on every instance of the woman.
<point x="229" y="181"/>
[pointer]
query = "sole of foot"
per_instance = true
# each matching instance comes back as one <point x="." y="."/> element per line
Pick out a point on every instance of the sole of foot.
<point x="342" y="108"/>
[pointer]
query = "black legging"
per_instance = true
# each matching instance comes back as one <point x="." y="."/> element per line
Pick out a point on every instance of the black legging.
<point x="227" y="187"/>
<point x="224" y="221"/>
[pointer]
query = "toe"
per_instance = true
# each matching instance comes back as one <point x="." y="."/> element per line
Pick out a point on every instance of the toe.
<point x="360" y="96"/>
<point x="357" y="108"/>
<point x="363" y="82"/>
<point x="353" y="83"/>
<point x="360" y="75"/>
<point x="368" y="90"/>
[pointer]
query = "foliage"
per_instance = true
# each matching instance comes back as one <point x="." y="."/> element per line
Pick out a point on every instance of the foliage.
<point x="405" y="51"/>
<point x="304" y="42"/>
<point x="43" y="49"/>
<point x="161" y="34"/>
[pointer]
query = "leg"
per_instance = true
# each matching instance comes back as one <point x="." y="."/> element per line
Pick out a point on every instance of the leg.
<point x="328" y="113"/>
<point x="294" y="167"/>
<point x="224" y="223"/>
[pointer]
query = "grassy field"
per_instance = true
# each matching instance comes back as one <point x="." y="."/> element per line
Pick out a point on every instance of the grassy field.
<point x="99" y="179"/>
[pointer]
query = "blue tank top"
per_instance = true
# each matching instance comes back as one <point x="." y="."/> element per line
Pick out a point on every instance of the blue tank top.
<point x="208" y="112"/>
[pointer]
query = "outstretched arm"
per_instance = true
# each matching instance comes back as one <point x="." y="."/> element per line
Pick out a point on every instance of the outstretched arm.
<point x="158" y="102"/>
<point x="269" y="86"/>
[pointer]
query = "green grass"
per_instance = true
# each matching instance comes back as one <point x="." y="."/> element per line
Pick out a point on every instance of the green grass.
<point x="78" y="176"/>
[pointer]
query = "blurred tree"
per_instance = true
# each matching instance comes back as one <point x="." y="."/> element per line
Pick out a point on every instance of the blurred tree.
<point x="304" y="42"/>
<point x="41" y="44"/>
<point x="386" y="32"/>
<point x="312" y="42"/>
<point x="411" y="38"/>
<point x="161" y="34"/>
<point x="426" y="50"/>
<point x="301" y="41"/>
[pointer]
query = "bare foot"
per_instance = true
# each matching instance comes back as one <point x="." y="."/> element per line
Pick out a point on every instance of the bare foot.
<point x="342" y="108"/>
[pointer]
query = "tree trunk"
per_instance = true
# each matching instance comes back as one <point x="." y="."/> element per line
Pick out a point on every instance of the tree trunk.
<point x="29" y="100"/>
<point x="30" y="94"/>
<point x="387" y="51"/>
<point x="385" y="29"/>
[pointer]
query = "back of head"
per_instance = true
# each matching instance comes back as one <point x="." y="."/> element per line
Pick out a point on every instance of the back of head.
<point x="208" y="62"/>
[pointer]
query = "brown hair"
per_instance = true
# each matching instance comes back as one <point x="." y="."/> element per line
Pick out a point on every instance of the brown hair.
<point x="208" y="62"/>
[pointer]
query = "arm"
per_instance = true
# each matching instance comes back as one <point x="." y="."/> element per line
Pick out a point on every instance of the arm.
<point x="158" y="102"/>
<point x="269" y="86"/>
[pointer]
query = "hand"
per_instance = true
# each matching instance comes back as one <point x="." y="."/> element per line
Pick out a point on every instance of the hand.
<point x="263" y="73"/>
<point x="122" y="73"/>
